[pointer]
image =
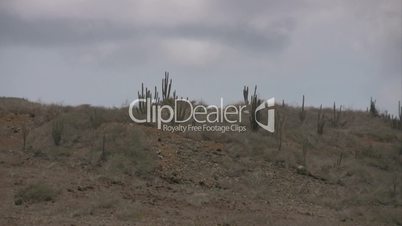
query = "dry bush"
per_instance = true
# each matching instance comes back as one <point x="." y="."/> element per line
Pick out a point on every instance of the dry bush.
<point x="127" y="151"/>
<point x="35" y="193"/>
<point x="96" y="118"/>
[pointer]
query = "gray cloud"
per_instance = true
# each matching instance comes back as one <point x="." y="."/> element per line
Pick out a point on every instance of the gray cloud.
<point x="290" y="48"/>
<point x="56" y="32"/>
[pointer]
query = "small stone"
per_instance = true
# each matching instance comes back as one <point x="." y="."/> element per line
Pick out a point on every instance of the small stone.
<point x="18" y="202"/>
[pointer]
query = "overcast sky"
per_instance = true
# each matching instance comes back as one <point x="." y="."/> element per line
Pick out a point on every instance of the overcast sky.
<point x="99" y="51"/>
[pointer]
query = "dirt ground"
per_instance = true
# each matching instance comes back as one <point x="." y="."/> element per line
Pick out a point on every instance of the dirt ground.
<point x="196" y="179"/>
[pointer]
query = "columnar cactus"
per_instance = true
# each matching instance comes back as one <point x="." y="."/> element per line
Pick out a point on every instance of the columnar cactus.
<point x="254" y="116"/>
<point x="373" y="109"/>
<point x="245" y="95"/>
<point x="280" y="117"/>
<point x="320" y="121"/>
<point x="302" y="113"/>
<point x="156" y="96"/>
<point x="181" y="110"/>
<point x="147" y="96"/>
<point x="166" y="86"/>
<point x="174" y="95"/>
<point x="336" y="116"/>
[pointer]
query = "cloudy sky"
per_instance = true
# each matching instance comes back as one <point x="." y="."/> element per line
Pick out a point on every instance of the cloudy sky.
<point x="99" y="51"/>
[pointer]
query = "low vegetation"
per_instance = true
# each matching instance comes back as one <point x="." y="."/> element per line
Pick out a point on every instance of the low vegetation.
<point x="35" y="193"/>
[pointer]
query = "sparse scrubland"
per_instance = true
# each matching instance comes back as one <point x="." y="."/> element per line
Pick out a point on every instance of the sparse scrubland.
<point x="63" y="165"/>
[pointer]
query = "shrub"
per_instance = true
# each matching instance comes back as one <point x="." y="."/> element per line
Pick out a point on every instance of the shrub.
<point x="96" y="118"/>
<point x="35" y="193"/>
<point x="127" y="151"/>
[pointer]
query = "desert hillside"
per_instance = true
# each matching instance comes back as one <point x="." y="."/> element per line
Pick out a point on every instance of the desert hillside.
<point x="84" y="165"/>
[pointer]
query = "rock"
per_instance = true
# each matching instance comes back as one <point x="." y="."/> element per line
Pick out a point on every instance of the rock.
<point x="301" y="170"/>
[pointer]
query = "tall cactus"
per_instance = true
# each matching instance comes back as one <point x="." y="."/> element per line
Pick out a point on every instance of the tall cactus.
<point x="166" y="86"/>
<point x="336" y="116"/>
<point x="302" y="113"/>
<point x="373" y="109"/>
<point x="147" y="96"/>
<point x="156" y="96"/>
<point x="280" y="117"/>
<point x="255" y="116"/>
<point x="399" y="118"/>
<point x="174" y="95"/>
<point x="245" y="95"/>
<point x="141" y="105"/>
<point x="320" y="121"/>
<point x="182" y="110"/>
